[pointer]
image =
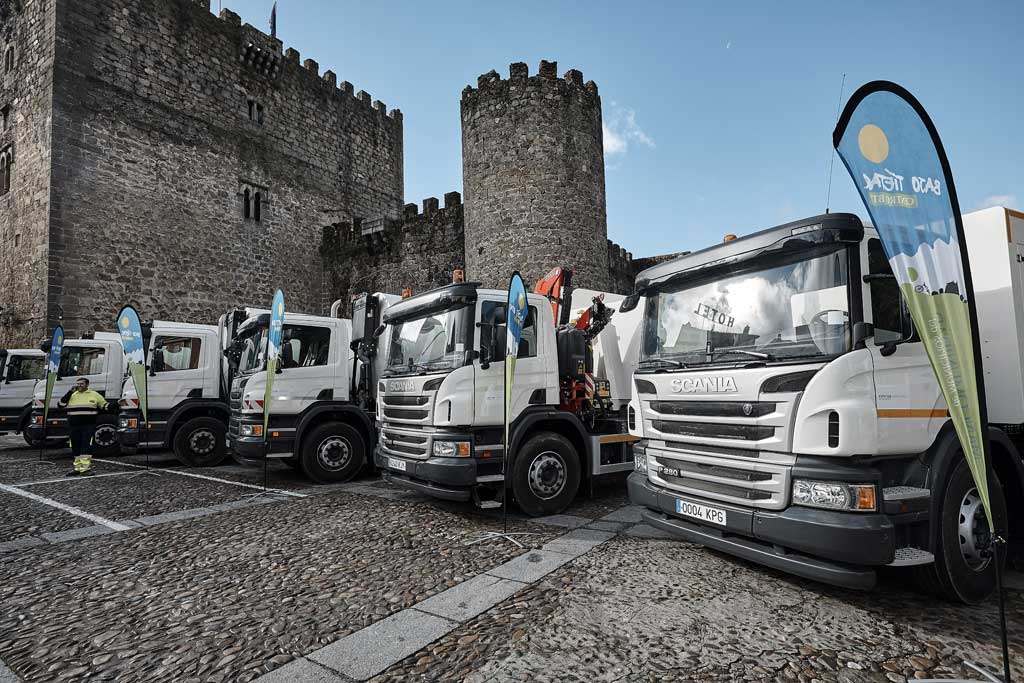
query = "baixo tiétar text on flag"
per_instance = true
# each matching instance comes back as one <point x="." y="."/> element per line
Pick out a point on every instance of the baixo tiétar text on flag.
<point x="52" y="365"/>
<point x="516" y="316"/>
<point x="130" y="328"/>
<point x="893" y="152"/>
<point x="274" y="336"/>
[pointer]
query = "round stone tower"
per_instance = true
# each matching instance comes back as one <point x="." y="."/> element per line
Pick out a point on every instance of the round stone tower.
<point x="533" y="177"/>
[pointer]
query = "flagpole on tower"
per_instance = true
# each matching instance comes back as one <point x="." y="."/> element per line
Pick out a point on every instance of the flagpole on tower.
<point x="273" y="21"/>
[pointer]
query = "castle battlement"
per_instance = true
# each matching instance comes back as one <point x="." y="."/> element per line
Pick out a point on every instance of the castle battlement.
<point x="414" y="217"/>
<point x="519" y="72"/>
<point x="268" y="56"/>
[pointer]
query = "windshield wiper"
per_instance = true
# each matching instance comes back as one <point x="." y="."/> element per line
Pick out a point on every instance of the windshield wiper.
<point x="663" y="361"/>
<point x="760" y="355"/>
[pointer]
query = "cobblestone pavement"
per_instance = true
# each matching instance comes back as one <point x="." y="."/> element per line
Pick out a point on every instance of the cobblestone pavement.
<point x="245" y="589"/>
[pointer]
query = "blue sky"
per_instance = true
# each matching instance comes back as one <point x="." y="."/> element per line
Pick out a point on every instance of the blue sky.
<point x="718" y="115"/>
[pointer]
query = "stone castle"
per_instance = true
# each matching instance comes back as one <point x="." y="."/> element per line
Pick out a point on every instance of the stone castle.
<point x="156" y="154"/>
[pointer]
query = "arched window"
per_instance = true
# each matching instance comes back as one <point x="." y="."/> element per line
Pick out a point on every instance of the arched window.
<point x="257" y="206"/>
<point x="9" y="59"/>
<point x="4" y="181"/>
<point x="246" y="209"/>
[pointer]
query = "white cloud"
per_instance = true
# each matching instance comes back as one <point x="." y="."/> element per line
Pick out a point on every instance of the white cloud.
<point x="728" y="45"/>
<point x="621" y="129"/>
<point x="1007" y="200"/>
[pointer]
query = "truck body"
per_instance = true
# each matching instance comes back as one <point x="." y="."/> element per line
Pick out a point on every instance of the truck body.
<point x="98" y="357"/>
<point x="20" y="369"/>
<point x="788" y="412"/>
<point x="441" y="400"/>
<point x="321" y="418"/>
<point x="187" y="405"/>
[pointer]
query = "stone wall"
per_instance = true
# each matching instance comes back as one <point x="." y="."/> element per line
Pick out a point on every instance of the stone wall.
<point x="418" y="252"/>
<point x="153" y="147"/>
<point x="27" y="93"/>
<point x="533" y="176"/>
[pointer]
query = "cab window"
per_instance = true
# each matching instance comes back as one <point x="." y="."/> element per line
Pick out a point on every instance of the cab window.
<point x="25" y="367"/>
<point x="171" y="353"/>
<point x="493" y="329"/>
<point x="304" y="346"/>
<point x="80" y="360"/>
<point x="891" y="319"/>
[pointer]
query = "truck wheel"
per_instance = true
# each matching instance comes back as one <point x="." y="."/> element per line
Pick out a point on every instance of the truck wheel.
<point x="200" y="442"/>
<point x="545" y="475"/>
<point x="34" y="443"/>
<point x="960" y="571"/>
<point x="104" y="438"/>
<point x="333" y="452"/>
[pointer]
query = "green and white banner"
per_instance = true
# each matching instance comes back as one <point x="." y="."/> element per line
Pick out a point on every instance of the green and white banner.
<point x="894" y="155"/>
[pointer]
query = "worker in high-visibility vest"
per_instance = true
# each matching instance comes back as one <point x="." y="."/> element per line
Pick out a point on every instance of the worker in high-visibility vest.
<point x="83" y="407"/>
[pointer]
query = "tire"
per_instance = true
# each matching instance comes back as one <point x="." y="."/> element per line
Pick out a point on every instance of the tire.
<point x="545" y="475"/>
<point x="959" y="573"/>
<point x="104" y="439"/>
<point x="200" y="442"/>
<point x="333" y="452"/>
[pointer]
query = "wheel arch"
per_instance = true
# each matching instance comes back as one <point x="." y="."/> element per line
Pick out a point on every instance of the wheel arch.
<point x="556" y="421"/>
<point x="190" y="409"/>
<point x="342" y="412"/>
<point x="25" y="418"/>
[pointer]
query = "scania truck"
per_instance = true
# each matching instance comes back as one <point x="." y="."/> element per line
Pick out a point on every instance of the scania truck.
<point x="187" y="404"/>
<point x="788" y="413"/>
<point x="441" y="398"/>
<point x="321" y="418"/>
<point x="19" y="371"/>
<point x="99" y="357"/>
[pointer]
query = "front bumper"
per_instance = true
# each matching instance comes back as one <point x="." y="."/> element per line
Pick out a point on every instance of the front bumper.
<point x="839" y="548"/>
<point x="128" y="437"/>
<point x="445" y="478"/>
<point x="56" y="426"/>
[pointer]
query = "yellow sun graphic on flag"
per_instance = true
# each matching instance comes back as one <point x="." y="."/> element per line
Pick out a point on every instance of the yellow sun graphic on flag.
<point x="60" y="339"/>
<point x="520" y="300"/>
<point x="124" y="322"/>
<point x="280" y="308"/>
<point x="873" y="143"/>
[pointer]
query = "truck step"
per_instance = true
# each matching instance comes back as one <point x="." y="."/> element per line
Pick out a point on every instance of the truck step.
<point x="901" y="493"/>
<point x="489" y="504"/>
<point x="490" y="478"/>
<point x="908" y="557"/>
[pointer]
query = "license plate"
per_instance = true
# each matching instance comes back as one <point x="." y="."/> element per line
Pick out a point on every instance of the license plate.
<point x="701" y="512"/>
<point x="396" y="464"/>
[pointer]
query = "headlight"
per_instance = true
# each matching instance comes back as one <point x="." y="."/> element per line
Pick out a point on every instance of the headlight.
<point x="452" y="449"/>
<point x="834" y="495"/>
<point x="252" y="430"/>
<point x="123" y="423"/>
<point x="640" y="459"/>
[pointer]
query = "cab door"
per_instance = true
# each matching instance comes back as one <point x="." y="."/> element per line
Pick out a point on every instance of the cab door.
<point x="305" y="368"/>
<point x="909" y="406"/>
<point x="175" y="371"/>
<point x="17" y="383"/>
<point x="490" y="382"/>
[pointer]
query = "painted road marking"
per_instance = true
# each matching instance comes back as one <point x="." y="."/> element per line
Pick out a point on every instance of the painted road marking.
<point x="68" y="480"/>
<point x="65" y="508"/>
<point x="203" y="476"/>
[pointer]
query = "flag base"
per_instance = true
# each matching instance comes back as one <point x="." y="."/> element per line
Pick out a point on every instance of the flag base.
<point x="495" y="535"/>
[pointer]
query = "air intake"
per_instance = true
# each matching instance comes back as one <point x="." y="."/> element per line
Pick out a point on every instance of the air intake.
<point x="833" y="429"/>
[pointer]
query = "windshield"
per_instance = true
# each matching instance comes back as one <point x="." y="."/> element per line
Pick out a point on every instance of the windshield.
<point x="437" y="341"/>
<point x="249" y="350"/>
<point x="796" y="309"/>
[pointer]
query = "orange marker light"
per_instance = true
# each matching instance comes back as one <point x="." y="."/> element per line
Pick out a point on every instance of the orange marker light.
<point x="865" y="497"/>
<point x="458" y="276"/>
<point x="728" y="238"/>
<point x="406" y="293"/>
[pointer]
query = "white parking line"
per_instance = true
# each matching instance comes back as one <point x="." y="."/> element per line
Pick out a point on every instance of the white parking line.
<point x="65" y="508"/>
<point x="203" y="476"/>
<point x="68" y="480"/>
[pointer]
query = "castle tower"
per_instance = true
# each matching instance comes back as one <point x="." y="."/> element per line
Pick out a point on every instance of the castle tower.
<point x="533" y="177"/>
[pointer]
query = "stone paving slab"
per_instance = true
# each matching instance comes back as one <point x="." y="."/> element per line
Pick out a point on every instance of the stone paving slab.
<point x="373" y="649"/>
<point x="614" y="527"/>
<point x="299" y="671"/>
<point x="531" y="566"/>
<point x="470" y="598"/>
<point x="629" y="514"/>
<point x="567" y="521"/>
<point x="6" y="675"/>
<point x="76" y="534"/>
<point x="578" y="541"/>
<point x="174" y="516"/>
<point x="648" y="531"/>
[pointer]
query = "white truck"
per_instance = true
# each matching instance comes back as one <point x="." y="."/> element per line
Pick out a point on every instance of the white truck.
<point x="99" y="357"/>
<point x="441" y="397"/>
<point x="19" y="371"/>
<point x="321" y="418"/>
<point x="187" y="404"/>
<point x="788" y="413"/>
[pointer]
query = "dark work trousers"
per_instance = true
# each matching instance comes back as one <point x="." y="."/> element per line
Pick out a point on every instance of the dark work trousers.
<point x="81" y="438"/>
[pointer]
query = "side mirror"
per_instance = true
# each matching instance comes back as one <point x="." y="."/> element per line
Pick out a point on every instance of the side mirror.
<point x="888" y="348"/>
<point x="861" y="332"/>
<point x="485" y="358"/>
<point x="630" y="302"/>
<point x="379" y="331"/>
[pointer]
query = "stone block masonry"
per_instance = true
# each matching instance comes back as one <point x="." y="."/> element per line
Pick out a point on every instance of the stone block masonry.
<point x="165" y="121"/>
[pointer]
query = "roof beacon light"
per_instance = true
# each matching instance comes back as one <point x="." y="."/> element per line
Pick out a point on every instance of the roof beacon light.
<point x="406" y="293"/>
<point x="458" y="276"/>
<point x="728" y="238"/>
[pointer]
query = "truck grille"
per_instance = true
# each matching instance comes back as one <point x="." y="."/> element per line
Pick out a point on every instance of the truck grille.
<point x="406" y="442"/>
<point x="740" y="424"/>
<point x="715" y="430"/>
<point x="747" y="482"/>
<point x="714" y="408"/>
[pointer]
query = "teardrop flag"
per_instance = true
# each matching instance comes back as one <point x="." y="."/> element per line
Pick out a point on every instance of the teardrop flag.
<point x="274" y="336"/>
<point x="52" y="366"/>
<point x="130" y="328"/>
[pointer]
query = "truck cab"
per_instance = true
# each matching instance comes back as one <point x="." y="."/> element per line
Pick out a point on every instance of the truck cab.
<point x="187" y="409"/>
<point x="441" y="404"/>
<point x="321" y="418"/>
<point x="99" y="357"/>
<point x="788" y="412"/>
<point x="20" y="369"/>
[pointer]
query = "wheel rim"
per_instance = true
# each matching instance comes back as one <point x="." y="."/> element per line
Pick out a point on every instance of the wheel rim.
<point x="547" y="475"/>
<point x="202" y="441"/>
<point x="105" y="436"/>
<point x="973" y="531"/>
<point x="333" y="453"/>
